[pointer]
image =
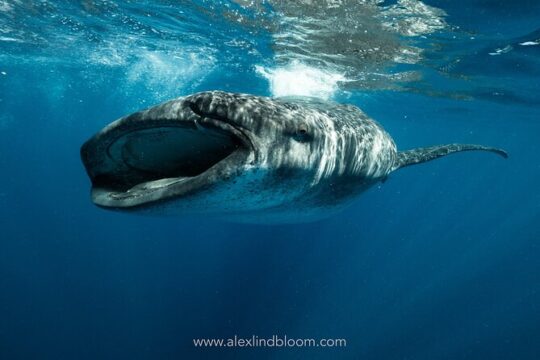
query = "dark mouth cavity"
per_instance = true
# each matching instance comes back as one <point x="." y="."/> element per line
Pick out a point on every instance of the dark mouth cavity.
<point x="168" y="152"/>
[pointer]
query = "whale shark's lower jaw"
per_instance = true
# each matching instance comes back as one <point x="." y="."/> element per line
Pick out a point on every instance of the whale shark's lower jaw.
<point x="141" y="160"/>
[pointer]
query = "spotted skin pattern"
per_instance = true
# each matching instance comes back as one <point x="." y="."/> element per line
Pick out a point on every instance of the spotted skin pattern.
<point x="305" y="159"/>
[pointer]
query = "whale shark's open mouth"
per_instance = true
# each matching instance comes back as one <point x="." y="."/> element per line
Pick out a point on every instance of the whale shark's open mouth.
<point x="136" y="160"/>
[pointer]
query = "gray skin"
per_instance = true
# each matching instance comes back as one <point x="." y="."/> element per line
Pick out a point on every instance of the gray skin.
<point x="244" y="158"/>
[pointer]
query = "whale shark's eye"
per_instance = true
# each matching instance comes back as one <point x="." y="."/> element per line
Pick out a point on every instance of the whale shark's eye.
<point x="302" y="133"/>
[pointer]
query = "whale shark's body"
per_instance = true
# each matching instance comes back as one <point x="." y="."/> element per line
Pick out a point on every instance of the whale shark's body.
<point x="245" y="158"/>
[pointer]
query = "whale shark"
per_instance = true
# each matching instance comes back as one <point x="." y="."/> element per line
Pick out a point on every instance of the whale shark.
<point x="245" y="158"/>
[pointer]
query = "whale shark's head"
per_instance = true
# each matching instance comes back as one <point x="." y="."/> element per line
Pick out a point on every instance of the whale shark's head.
<point x="223" y="153"/>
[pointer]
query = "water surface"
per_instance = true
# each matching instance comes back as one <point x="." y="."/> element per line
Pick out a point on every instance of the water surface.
<point x="439" y="262"/>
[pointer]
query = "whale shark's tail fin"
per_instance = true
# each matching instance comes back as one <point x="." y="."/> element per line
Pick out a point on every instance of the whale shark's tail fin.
<point x="420" y="155"/>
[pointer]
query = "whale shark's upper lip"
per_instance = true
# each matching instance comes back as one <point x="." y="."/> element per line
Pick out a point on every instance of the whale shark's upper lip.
<point x="151" y="156"/>
<point x="222" y="122"/>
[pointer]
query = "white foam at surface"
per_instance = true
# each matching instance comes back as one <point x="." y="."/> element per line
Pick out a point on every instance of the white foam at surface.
<point x="530" y="43"/>
<point x="9" y="39"/>
<point x="167" y="73"/>
<point x="5" y="6"/>
<point x="297" y="79"/>
<point x="413" y="18"/>
<point x="503" y="50"/>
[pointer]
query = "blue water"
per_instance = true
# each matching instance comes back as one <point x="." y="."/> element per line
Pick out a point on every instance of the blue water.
<point x="442" y="261"/>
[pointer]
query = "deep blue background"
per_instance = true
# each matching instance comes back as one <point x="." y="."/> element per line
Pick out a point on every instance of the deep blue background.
<point x="440" y="262"/>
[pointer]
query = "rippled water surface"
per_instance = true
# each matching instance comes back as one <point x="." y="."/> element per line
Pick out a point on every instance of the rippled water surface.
<point x="439" y="262"/>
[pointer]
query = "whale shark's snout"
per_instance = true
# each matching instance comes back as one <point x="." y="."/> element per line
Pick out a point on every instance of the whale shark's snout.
<point x="170" y="150"/>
